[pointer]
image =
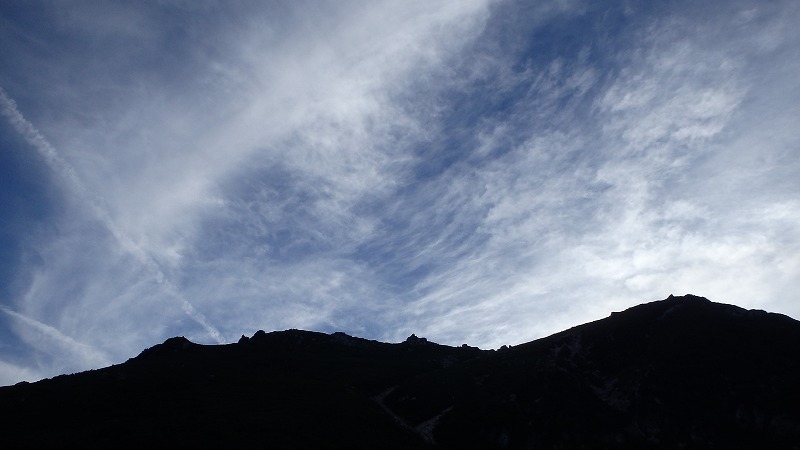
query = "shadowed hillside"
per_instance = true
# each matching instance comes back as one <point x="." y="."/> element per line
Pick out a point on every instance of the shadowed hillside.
<point x="678" y="373"/>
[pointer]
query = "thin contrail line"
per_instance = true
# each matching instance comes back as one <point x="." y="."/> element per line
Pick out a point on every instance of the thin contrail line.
<point x="88" y="353"/>
<point x="62" y="168"/>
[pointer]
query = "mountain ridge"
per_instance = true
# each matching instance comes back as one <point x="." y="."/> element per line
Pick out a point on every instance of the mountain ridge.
<point x="683" y="372"/>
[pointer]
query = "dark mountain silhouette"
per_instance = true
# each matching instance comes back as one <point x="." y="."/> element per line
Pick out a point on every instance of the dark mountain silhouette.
<point x="678" y="373"/>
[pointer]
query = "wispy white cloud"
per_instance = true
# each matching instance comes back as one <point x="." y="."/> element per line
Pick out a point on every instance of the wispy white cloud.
<point x="593" y="213"/>
<point x="471" y="171"/>
<point x="161" y="165"/>
<point x="49" y="339"/>
<point x="76" y="187"/>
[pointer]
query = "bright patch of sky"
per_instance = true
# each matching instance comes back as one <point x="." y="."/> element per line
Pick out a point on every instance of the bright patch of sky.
<point x="482" y="172"/>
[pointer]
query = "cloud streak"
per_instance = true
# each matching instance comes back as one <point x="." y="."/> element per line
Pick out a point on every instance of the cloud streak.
<point x="51" y="339"/>
<point x="63" y="169"/>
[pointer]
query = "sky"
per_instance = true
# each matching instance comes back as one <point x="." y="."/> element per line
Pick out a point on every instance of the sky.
<point x="471" y="171"/>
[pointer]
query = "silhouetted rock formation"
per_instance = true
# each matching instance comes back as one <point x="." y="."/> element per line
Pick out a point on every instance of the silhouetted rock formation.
<point x="678" y="373"/>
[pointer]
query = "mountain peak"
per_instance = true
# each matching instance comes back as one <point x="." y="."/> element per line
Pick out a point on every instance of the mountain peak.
<point x="414" y="340"/>
<point x="683" y="372"/>
<point x="170" y="346"/>
<point x="688" y="297"/>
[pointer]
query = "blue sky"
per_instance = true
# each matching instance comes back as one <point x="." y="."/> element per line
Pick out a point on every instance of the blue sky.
<point x="482" y="172"/>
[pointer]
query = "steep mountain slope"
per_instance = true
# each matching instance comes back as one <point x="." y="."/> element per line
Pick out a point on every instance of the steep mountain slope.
<point x="679" y="373"/>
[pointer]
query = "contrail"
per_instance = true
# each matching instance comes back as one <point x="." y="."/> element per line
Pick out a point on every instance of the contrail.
<point x="61" y="167"/>
<point x="90" y="355"/>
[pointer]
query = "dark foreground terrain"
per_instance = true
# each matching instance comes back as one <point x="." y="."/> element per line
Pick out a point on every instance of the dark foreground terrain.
<point x="678" y="373"/>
